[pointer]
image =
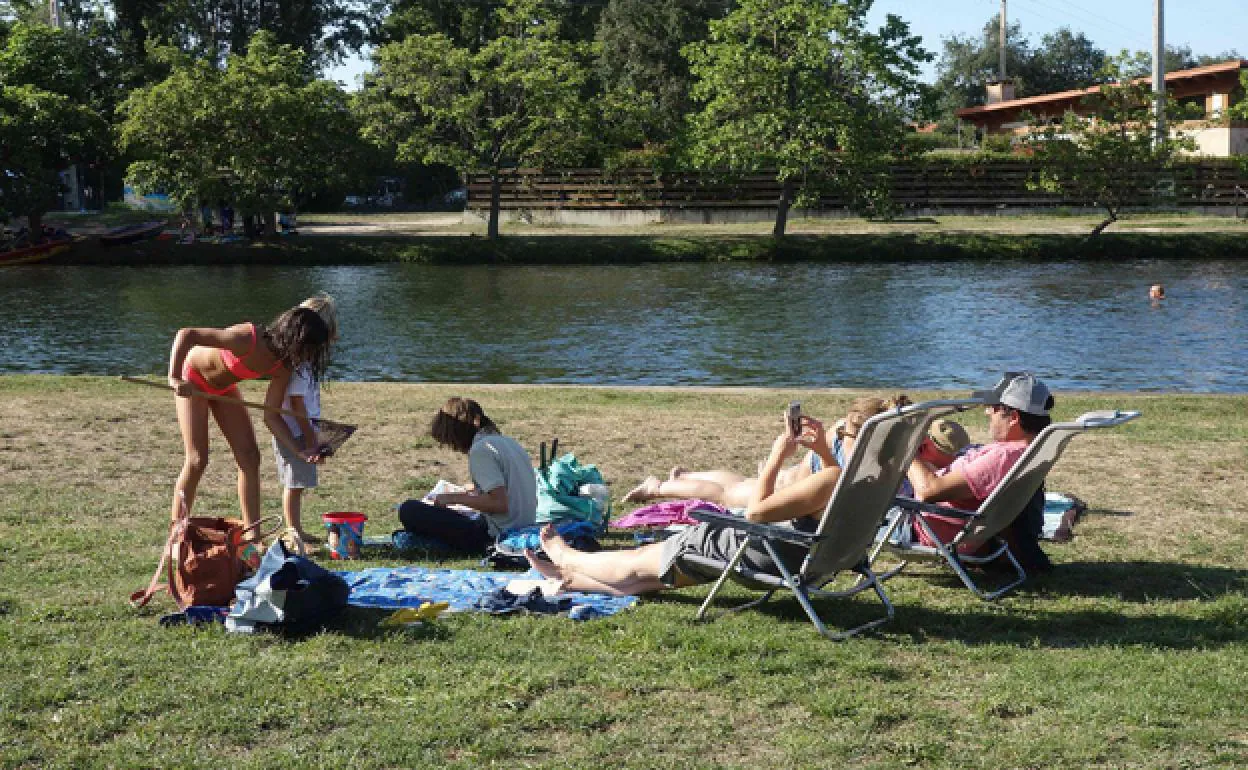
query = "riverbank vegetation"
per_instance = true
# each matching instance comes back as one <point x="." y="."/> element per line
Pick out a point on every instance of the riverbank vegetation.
<point x="1130" y="654"/>
<point x="682" y="247"/>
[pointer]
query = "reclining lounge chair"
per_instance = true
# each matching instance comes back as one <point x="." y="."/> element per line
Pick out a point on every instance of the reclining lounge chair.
<point x="995" y="514"/>
<point x="866" y="489"/>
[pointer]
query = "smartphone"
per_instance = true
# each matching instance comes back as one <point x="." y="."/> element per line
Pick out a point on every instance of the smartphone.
<point x="793" y="418"/>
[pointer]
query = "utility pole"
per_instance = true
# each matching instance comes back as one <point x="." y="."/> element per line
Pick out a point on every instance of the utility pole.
<point x="54" y="13"/>
<point x="1159" y="70"/>
<point x="1002" y="41"/>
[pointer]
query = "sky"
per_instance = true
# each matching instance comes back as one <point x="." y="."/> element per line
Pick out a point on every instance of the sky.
<point x="1207" y="26"/>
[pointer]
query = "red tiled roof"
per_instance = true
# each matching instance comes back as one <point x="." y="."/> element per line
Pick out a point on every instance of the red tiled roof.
<point x="1061" y="96"/>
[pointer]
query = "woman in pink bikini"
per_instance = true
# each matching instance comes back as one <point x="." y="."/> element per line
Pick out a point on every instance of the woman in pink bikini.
<point x="214" y="361"/>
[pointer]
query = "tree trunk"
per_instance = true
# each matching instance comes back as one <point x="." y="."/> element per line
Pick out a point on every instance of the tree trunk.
<point x="34" y="226"/>
<point x="1112" y="218"/>
<point x="782" y="209"/>
<point x="496" y="193"/>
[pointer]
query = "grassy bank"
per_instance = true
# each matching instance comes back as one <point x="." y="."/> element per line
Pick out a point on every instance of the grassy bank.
<point x="710" y="247"/>
<point x="1131" y="654"/>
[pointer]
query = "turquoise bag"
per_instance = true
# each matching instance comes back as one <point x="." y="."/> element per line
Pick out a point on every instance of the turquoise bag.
<point x="557" y="484"/>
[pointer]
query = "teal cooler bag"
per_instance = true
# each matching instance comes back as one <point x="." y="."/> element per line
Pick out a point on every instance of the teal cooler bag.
<point x="557" y="486"/>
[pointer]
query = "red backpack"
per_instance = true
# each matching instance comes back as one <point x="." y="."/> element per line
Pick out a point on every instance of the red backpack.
<point x="203" y="560"/>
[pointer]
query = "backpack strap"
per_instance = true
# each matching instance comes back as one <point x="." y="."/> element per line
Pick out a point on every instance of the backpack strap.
<point x="140" y="598"/>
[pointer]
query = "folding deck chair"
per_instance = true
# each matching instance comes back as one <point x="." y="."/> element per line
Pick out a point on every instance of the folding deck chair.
<point x="986" y="524"/>
<point x="886" y="445"/>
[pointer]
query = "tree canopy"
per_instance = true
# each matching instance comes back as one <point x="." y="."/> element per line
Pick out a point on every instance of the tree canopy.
<point x="260" y="133"/>
<point x="803" y="88"/>
<point x="519" y="99"/>
<point x="644" y="79"/>
<point x="1063" y="61"/>
<point x="47" y="120"/>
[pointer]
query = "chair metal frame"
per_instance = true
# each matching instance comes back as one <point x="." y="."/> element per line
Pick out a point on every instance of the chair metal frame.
<point x="886" y="445"/>
<point x="996" y="513"/>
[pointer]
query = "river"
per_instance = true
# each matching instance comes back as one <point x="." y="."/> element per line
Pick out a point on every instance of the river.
<point x="1078" y="325"/>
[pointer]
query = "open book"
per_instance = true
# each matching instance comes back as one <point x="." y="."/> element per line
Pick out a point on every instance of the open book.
<point x="444" y="487"/>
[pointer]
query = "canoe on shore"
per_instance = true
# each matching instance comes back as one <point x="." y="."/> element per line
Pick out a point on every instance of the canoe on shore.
<point x="130" y="233"/>
<point x="36" y="253"/>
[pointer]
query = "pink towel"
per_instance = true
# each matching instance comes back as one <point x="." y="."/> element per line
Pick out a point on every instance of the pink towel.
<point x="664" y="514"/>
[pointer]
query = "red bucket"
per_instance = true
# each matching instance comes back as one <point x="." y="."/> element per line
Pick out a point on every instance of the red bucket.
<point x="346" y="533"/>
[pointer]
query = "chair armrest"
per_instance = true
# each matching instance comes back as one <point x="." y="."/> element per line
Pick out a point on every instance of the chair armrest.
<point x="730" y="521"/>
<point x="944" y="510"/>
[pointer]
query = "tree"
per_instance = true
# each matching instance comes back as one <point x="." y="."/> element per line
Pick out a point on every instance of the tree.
<point x="519" y="99"/>
<point x="213" y="29"/>
<point x="47" y="121"/>
<point x="260" y="133"/>
<point x="1064" y="61"/>
<point x="645" y="80"/>
<point x="801" y="88"/>
<point x="1110" y="156"/>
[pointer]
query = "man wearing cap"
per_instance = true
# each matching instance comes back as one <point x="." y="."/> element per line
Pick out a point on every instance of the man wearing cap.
<point x="1018" y="409"/>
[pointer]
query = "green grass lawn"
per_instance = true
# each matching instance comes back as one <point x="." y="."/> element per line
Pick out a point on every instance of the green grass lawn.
<point x="1131" y="654"/>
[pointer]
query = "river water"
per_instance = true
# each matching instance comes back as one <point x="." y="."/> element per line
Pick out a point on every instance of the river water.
<point x="1078" y="325"/>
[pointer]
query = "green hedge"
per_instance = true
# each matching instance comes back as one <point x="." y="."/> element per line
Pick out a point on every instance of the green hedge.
<point x="623" y="249"/>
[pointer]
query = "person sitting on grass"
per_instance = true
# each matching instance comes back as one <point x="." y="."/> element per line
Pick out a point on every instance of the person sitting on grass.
<point x="504" y="491"/>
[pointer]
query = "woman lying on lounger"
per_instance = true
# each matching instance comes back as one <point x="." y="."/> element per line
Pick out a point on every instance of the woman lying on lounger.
<point x="657" y="566"/>
<point x="732" y="490"/>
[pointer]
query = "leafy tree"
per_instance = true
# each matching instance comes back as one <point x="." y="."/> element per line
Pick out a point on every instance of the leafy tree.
<point x="260" y="133"/>
<point x="802" y="88"/>
<point x="1111" y="155"/>
<point x="213" y="29"/>
<point x="644" y="78"/>
<point x="1239" y="110"/>
<point x="472" y="24"/>
<point x="1064" y="61"/>
<point x="47" y="120"/>
<point x="519" y="99"/>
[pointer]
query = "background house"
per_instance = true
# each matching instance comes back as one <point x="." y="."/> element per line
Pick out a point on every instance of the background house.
<point x="1211" y="89"/>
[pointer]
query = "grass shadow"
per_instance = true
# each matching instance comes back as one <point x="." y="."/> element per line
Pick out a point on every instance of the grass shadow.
<point x="1139" y="581"/>
<point x="1219" y="617"/>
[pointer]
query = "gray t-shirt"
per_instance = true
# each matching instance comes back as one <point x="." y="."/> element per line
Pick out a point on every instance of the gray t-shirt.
<point x="497" y="461"/>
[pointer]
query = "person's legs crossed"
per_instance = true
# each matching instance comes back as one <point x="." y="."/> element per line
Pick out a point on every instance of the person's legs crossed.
<point x="624" y="573"/>
<point x="463" y="533"/>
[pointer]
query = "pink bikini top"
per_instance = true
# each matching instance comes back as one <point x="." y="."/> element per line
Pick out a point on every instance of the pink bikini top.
<point x="238" y="368"/>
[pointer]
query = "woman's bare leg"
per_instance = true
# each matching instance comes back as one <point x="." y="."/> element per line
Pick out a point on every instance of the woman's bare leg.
<point x="704" y="485"/>
<point x="235" y="424"/>
<point x="193" y="422"/>
<point x="722" y="478"/>
<point x="622" y="573"/>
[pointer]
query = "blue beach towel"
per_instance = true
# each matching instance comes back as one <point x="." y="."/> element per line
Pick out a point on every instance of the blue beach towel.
<point x="393" y="588"/>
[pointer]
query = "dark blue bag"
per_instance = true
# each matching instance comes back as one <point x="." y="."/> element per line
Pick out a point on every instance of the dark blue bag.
<point x="288" y="593"/>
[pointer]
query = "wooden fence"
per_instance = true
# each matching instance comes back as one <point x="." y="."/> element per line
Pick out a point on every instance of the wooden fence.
<point x="927" y="186"/>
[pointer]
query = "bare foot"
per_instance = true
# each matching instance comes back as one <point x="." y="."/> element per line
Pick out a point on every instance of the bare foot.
<point x="644" y="491"/>
<point x="544" y="568"/>
<point x="676" y="473"/>
<point x="555" y="547"/>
